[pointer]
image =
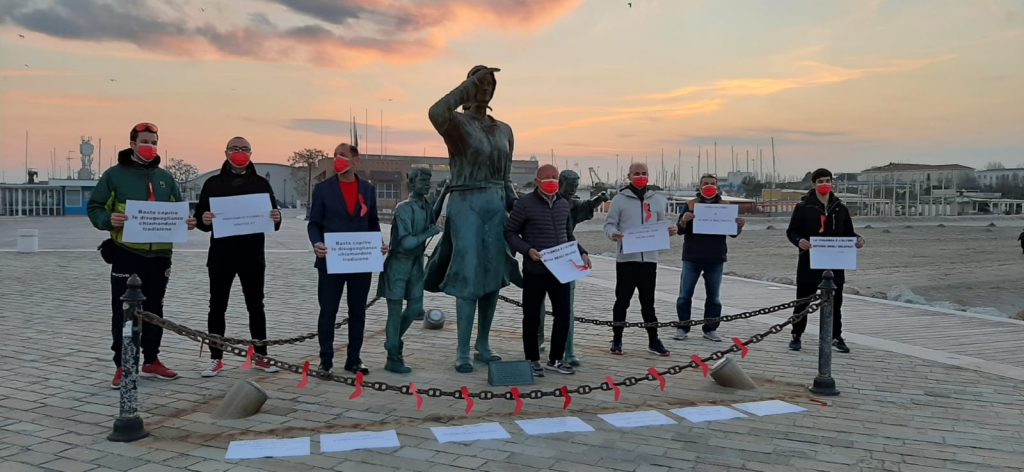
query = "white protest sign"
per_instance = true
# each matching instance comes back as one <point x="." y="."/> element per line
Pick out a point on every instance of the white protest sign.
<point x="242" y="214"/>
<point x="353" y="253"/>
<point x="473" y="432"/>
<point x="635" y="419"/>
<point x="358" y="440"/>
<point x="260" y="448"/>
<point x="155" y="222"/>
<point x="652" y="237"/>
<point x="566" y="424"/>
<point x="769" y="407"/>
<point x="834" y="253"/>
<point x="700" y="414"/>
<point x="565" y="262"/>
<point x="715" y="218"/>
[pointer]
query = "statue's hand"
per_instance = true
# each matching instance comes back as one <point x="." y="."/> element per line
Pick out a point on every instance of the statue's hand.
<point x="601" y="198"/>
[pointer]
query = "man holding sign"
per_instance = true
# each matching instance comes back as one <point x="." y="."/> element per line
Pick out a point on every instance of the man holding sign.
<point x="343" y="203"/>
<point x="637" y="221"/>
<point x="703" y="254"/>
<point x="540" y="221"/>
<point x="241" y="253"/>
<point x="139" y="178"/>
<point x="819" y="214"/>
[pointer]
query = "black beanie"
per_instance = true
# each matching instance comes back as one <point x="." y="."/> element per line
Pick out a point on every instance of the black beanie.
<point x="820" y="173"/>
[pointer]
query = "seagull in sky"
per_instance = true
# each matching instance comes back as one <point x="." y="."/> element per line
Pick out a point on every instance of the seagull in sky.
<point x="21" y="36"/>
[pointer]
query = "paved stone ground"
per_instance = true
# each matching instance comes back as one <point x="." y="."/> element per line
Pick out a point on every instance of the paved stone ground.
<point x="898" y="411"/>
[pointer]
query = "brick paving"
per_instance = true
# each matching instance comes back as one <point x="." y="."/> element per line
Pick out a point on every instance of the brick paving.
<point x="899" y="411"/>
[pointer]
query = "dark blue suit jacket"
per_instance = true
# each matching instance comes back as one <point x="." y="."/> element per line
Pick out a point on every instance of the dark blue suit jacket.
<point x="329" y="214"/>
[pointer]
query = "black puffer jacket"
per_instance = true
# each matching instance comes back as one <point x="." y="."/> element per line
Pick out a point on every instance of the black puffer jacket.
<point x="812" y="218"/>
<point x="234" y="252"/>
<point x="536" y="223"/>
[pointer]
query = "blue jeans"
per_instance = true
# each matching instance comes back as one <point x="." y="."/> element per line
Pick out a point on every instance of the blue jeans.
<point x="712" y="287"/>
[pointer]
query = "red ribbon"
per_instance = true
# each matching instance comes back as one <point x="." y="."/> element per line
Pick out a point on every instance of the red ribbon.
<point x="743" y="348"/>
<point x="469" y="400"/>
<point x="305" y="377"/>
<point x="248" y="358"/>
<point x="152" y="196"/>
<point x="359" y="387"/>
<point x="615" y="388"/>
<point x="824" y="218"/>
<point x="815" y="400"/>
<point x="519" y="402"/>
<point x="657" y="376"/>
<point x="703" y="367"/>
<point x="363" y="209"/>
<point x="647" y="212"/>
<point x="416" y="393"/>
<point x="568" y="398"/>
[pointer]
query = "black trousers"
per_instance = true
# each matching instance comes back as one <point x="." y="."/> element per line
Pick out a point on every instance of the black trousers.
<point x="631" y="277"/>
<point x="154" y="272"/>
<point x="807" y="281"/>
<point x="329" y="290"/>
<point x="252" y="279"/>
<point x="537" y="285"/>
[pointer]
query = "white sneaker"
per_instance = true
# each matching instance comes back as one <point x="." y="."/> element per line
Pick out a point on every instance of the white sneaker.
<point x="680" y="334"/>
<point x="216" y="365"/>
<point x="713" y="336"/>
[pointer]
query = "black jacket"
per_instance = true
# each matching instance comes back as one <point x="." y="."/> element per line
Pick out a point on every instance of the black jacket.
<point x="234" y="252"/>
<point x="536" y="223"/>
<point x="702" y="248"/>
<point x="812" y="218"/>
<point x="329" y="213"/>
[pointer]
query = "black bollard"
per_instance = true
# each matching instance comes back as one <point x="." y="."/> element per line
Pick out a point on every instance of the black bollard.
<point x="824" y="384"/>
<point x="128" y="426"/>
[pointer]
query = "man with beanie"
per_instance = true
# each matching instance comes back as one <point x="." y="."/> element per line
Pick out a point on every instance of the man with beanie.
<point x="242" y="255"/>
<point x="702" y="254"/>
<point x="820" y="213"/>
<point x="137" y="176"/>
<point x="636" y="205"/>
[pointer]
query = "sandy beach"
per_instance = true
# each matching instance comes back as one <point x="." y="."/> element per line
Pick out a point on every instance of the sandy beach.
<point x="965" y="265"/>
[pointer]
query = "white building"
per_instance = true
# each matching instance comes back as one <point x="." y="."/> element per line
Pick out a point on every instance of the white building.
<point x="994" y="177"/>
<point x="926" y="174"/>
<point x="281" y="179"/>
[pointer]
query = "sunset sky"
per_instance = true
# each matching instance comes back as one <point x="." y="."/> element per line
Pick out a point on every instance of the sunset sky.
<point x="842" y="84"/>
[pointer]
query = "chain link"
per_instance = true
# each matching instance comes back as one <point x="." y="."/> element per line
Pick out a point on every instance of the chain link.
<point x="280" y="342"/>
<point x="433" y="392"/>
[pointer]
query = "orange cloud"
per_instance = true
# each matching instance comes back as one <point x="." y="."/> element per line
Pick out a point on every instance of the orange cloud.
<point x="61" y="100"/>
<point x="677" y="111"/>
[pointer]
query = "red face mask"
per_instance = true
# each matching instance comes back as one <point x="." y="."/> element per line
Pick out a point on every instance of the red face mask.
<point x="239" y="159"/>
<point x="549" y="186"/>
<point x="640" y="181"/>
<point x="709" y="191"/>
<point x="824" y="189"/>
<point x="146" y="152"/>
<point x="341" y="165"/>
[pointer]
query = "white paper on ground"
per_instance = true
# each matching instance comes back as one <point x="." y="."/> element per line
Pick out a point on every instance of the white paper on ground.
<point x="358" y="440"/>
<point x="473" y="432"/>
<point x="700" y="414"/>
<point x="635" y="419"/>
<point x="769" y="407"/>
<point x="568" y="424"/>
<point x="258" y="448"/>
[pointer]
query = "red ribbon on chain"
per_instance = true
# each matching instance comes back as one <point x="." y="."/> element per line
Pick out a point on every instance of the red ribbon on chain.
<point x="657" y="376"/>
<point x="305" y="377"/>
<point x="568" y="398"/>
<point x="519" y="402"/>
<point x="815" y="400"/>
<point x="469" y="400"/>
<point x="416" y="393"/>
<point x="700" y="362"/>
<point x="359" y="387"/>
<point x="615" y="388"/>
<point x="743" y="348"/>
<point x="248" y="358"/>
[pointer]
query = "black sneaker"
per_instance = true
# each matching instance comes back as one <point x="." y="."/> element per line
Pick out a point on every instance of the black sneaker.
<point x="358" y="368"/>
<point x="656" y="347"/>
<point x="840" y="345"/>
<point x="538" y="370"/>
<point x="616" y="348"/>
<point x="323" y="371"/>
<point x="560" y="367"/>
<point x="794" y="345"/>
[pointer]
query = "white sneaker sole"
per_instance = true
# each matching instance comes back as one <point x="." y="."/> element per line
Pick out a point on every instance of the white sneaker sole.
<point x="155" y="376"/>
<point x="210" y="373"/>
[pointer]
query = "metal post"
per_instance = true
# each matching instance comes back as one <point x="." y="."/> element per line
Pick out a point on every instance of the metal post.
<point x="128" y="426"/>
<point x="824" y="384"/>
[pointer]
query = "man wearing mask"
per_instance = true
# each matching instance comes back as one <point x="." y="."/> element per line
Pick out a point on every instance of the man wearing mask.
<point x="820" y="213"/>
<point x="636" y="205"/>
<point x="137" y="176"/>
<point x="241" y="255"/>
<point x="343" y="203"/>
<point x="702" y="254"/>
<point x="539" y="221"/>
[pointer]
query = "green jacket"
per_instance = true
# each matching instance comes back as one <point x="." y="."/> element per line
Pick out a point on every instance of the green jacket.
<point x="129" y="180"/>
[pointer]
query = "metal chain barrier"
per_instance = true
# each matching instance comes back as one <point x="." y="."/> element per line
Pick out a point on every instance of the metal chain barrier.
<point x="218" y="342"/>
<point x="277" y="342"/>
<point x="679" y="324"/>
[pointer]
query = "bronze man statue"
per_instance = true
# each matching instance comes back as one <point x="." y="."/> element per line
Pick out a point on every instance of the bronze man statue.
<point x="472" y="261"/>
<point x="402" y="278"/>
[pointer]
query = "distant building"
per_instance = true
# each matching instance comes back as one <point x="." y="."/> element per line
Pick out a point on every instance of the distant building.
<point x="997" y="177"/>
<point x="57" y="197"/>
<point x="927" y="174"/>
<point x="280" y="176"/>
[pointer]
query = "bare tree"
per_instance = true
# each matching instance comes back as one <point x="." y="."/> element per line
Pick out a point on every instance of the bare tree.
<point x="183" y="173"/>
<point x="303" y="162"/>
<point x="994" y="165"/>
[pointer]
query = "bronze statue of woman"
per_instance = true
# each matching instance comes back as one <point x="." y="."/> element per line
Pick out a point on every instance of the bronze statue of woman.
<point x="472" y="262"/>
